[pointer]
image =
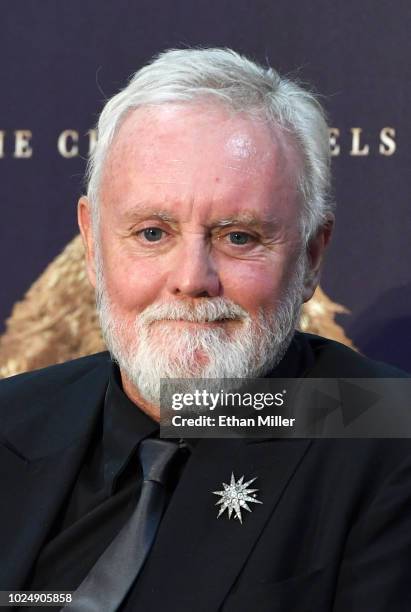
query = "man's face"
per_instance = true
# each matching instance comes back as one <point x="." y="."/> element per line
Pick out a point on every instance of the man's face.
<point x="198" y="207"/>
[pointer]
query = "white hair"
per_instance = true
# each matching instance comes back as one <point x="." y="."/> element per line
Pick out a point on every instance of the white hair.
<point x="224" y="76"/>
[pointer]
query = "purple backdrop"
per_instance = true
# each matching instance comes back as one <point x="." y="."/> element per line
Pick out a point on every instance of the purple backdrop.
<point x="59" y="61"/>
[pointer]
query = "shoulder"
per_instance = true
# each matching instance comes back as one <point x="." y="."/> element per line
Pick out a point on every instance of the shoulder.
<point x="32" y="388"/>
<point x="53" y="376"/>
<point x="333" y="359"/>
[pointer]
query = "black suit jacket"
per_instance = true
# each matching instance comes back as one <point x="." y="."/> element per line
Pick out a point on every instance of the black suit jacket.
<point x="333" y="532"/>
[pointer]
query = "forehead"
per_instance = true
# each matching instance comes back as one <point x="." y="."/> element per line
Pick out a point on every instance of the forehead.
<point x="199" y="158"/>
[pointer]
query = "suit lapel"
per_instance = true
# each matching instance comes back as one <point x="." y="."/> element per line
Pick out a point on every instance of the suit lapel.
<point x="38" y="465"/>
<point x="34" y="491"/>
<point x="191" y="538"/>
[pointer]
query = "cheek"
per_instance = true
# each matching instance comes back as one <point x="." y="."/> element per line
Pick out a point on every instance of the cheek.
<point x="254" y="285"/>
<point x="133" y="285"/>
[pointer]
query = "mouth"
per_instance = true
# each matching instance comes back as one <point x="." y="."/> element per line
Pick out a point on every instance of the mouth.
<point x="201" y="323"/>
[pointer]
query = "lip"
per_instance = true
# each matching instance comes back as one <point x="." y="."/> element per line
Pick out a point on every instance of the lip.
<point x="185" y="323"/>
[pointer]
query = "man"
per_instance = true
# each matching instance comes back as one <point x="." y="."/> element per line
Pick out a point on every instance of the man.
<point x="205" y="225"/>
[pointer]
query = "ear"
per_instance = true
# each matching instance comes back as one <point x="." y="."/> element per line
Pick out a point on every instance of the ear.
<point x="84" y="217"/>
<point x="315" y="252"/>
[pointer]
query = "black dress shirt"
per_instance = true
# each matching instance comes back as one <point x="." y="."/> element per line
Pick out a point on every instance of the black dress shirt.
<point x="103" y="497"/>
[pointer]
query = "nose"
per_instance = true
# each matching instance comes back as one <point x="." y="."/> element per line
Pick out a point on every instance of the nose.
<point x="194" y="273"/>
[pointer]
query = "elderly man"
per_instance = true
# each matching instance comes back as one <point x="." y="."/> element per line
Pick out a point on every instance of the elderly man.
<point x="205" y="225"/>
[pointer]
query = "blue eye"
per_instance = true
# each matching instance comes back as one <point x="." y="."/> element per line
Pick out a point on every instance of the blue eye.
<point x="239" y="238"/>
<point x="153" y="234"/>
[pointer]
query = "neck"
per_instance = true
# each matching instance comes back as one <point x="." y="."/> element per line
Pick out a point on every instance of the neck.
<point x="152" y="410"/>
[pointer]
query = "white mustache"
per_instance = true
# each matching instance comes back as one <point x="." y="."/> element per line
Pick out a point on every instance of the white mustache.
<point x="208" y="310"/>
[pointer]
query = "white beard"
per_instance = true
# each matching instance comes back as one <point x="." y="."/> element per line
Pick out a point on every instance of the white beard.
<point x="159" y="349"/>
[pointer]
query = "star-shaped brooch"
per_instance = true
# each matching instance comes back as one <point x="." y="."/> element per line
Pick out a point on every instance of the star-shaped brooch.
<point x="235" y="496"/>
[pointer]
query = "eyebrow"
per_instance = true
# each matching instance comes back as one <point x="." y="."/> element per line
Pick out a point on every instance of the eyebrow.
<point x="142" y="211"/>
<point x="250" y="220"/>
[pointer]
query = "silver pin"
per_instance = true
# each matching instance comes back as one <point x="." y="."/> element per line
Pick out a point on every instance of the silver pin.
<point x="235" y="496"/>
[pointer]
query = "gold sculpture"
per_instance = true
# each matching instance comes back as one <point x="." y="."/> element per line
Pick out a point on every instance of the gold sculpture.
<point x="56" y="320"/>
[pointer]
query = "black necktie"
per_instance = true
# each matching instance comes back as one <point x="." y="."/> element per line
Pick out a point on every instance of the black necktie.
<point x="109" y="580"/>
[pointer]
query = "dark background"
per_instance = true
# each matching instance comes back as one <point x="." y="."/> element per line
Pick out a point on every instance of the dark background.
<point x="59" y="61"/>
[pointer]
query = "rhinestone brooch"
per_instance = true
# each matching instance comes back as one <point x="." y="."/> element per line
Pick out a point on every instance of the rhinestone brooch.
<point x="235" y="497"/>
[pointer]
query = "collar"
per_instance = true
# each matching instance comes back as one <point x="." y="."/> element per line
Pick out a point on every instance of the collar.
<point x="297" y="360"/>
<point x="124" y="426"/>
